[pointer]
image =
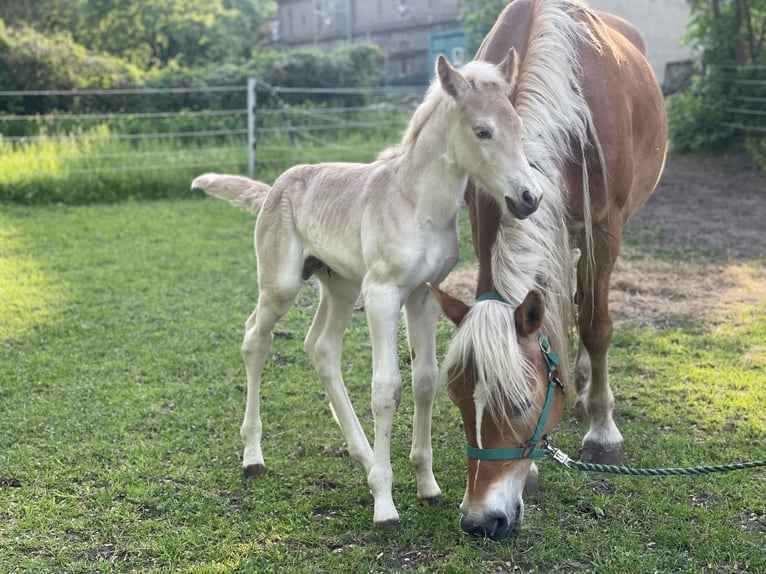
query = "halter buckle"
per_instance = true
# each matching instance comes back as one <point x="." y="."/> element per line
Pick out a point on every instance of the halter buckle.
<point x="557" y="454"/>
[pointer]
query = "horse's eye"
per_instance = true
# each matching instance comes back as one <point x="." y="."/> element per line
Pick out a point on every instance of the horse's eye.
<point x="483" y="133"/>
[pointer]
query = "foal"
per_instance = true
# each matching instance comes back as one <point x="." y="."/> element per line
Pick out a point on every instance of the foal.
<point x="384" y="229"/>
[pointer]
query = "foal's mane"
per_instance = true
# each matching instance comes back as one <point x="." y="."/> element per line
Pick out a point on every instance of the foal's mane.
<point x="535" y="252"/>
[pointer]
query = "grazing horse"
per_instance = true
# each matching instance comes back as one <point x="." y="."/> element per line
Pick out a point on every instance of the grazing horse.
<point x="384" y="229"/>
<point x="595" y="133"/>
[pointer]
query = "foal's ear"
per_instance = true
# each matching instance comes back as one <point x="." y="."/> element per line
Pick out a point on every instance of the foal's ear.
<point x="529" y="315"/>
<point x="454" y="309"/>
<point x="451" y="80"/>
<point x="509" y="67"/>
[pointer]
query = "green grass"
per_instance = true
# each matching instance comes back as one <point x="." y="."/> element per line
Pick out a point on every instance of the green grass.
<point x="86" y="165"/>
<point x="121" y="395"/>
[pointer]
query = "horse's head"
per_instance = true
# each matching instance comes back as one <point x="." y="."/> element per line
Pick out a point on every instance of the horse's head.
<point x="502" y="377"/>
<point x="488" y="138"/>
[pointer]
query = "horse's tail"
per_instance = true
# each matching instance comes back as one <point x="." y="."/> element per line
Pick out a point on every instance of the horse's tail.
<point x="239" y="190"/>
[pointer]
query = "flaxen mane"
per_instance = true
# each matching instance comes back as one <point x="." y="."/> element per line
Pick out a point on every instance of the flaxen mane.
<point x="535" y="252"/>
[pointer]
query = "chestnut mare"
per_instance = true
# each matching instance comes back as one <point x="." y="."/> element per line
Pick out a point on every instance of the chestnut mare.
<point x="594" y="130"/>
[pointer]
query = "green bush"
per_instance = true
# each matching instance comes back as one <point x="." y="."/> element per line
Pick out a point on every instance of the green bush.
<point x="695" y="118"/>
<point x="33" y="61"/>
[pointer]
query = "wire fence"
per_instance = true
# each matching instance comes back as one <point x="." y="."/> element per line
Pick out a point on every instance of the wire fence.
<point x="112" y="142"/>
<point x="291" y="125"/>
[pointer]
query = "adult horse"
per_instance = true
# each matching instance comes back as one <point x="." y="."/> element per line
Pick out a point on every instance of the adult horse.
<point x="384" y="229"/>
<point x="595" y="132"/>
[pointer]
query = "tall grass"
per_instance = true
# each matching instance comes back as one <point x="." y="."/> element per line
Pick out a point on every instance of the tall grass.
<point x="157" y="158"/>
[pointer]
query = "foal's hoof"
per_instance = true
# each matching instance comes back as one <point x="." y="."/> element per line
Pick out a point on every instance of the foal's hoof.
<point x="600" y="454"/>
<point x="254" y="470"/>
<point x="532" y="485"/>
<point x="389" y="525"/>
<point x="431" y="500"/>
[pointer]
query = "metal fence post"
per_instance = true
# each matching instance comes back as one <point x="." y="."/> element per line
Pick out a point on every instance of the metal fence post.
<point x="251" y="138"/>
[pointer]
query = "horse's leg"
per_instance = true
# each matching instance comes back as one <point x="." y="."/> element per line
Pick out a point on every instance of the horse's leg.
<point x="603" y="441"/>
<point x="383" y="305"/>
<point x="323" y="345"/>
<point x="275" y="298"/>
<point x="422" y="315"/>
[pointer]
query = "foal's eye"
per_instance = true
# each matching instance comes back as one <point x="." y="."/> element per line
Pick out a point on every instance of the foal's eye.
<point x="483" y="133"/>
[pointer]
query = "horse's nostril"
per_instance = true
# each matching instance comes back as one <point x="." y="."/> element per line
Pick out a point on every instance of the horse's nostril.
<point x="499" y="528"/>
<point x="528" y="199"/>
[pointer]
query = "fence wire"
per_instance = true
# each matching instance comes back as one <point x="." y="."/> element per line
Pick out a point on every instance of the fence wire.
<point x="293" y="125"/>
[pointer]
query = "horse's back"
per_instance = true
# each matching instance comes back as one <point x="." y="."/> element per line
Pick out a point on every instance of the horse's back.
<point x="624" y="98"/>
<point x="629" y="117"/>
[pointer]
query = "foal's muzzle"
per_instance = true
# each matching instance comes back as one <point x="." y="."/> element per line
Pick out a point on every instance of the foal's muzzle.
<point x="526" y="206"/>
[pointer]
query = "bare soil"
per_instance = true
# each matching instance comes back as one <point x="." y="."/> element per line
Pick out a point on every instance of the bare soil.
<point x="695" y="252"/>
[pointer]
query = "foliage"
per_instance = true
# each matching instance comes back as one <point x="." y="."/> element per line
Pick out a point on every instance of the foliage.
<point x="121" y="385"/>
<point x="695" y="118"/>
<point x="478" y="18"/>
<point x="728" y="97"/>
<point x="30" y="60"/>
<point x="153" y="33"/>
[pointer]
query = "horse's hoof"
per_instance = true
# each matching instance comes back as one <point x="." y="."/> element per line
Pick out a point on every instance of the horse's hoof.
<point x="532" y="485"/>
<point x="600" y="454"/>
<point x="431" y="500"/>
<point x="388" y="525"/>
<point x="254" y="470"/>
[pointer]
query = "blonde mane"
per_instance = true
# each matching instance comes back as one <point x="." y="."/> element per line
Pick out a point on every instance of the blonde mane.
<point x="535" y="252"/>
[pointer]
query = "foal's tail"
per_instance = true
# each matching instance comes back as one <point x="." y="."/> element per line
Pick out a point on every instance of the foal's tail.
<point x="239" y="190"/>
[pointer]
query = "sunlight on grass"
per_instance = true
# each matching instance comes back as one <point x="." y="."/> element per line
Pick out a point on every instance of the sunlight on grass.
<point x="47" y="155"/>
<point x="28" y="297"/>
<point x="716" y="373"/>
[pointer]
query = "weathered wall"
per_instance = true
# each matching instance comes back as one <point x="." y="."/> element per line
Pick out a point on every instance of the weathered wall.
<point x="662" y="23"/>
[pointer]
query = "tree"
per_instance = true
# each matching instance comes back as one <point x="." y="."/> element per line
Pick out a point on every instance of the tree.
<point x="479" y="17"/>
<point x="152" y="33"/>
<point x="726" y="106"/>
<point x="728" y="31"/>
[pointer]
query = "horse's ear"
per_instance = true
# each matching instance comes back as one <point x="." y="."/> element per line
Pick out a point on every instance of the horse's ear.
<point x="451" y="80"/>
<point x="454" y="309"/>
<point x="529" y="315"/>
<point x="509" y="67"/>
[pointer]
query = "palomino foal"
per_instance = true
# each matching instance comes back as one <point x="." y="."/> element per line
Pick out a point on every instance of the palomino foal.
<point x="383" y="229"/>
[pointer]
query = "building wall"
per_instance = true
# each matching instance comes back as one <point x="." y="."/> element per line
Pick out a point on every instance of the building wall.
<point x="401" y="28"/>
<point x="662" y="24"/>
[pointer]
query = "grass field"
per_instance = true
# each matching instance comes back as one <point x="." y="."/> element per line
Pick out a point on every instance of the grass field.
<point x="122" y="391"/>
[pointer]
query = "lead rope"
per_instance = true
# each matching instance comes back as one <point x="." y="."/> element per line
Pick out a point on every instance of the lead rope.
<point x="562" y="458"/>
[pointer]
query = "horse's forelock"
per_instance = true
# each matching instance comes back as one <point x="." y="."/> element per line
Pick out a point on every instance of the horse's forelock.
<point x="486" y="346"/>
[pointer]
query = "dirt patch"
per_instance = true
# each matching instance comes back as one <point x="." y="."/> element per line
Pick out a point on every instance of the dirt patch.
<point x="709" y="213"/>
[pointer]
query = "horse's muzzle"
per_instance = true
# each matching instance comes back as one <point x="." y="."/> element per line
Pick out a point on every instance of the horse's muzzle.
<point x="526" y="206"/>
<point x="494" y="526"/>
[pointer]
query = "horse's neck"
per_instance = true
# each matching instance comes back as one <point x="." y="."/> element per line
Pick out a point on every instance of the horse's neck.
<point x="431" y="179"/>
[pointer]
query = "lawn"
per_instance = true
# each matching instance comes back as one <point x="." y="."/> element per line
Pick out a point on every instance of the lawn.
<point x="122" y="392"/>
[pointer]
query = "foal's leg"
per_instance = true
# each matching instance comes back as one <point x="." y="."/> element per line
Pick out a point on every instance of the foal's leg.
<point x="422" y="315"/>
<point x="383" y="305"/>
<point x="323" y="345"/>
<point x="603" y="441"/>
<point x="276" y="295"/>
